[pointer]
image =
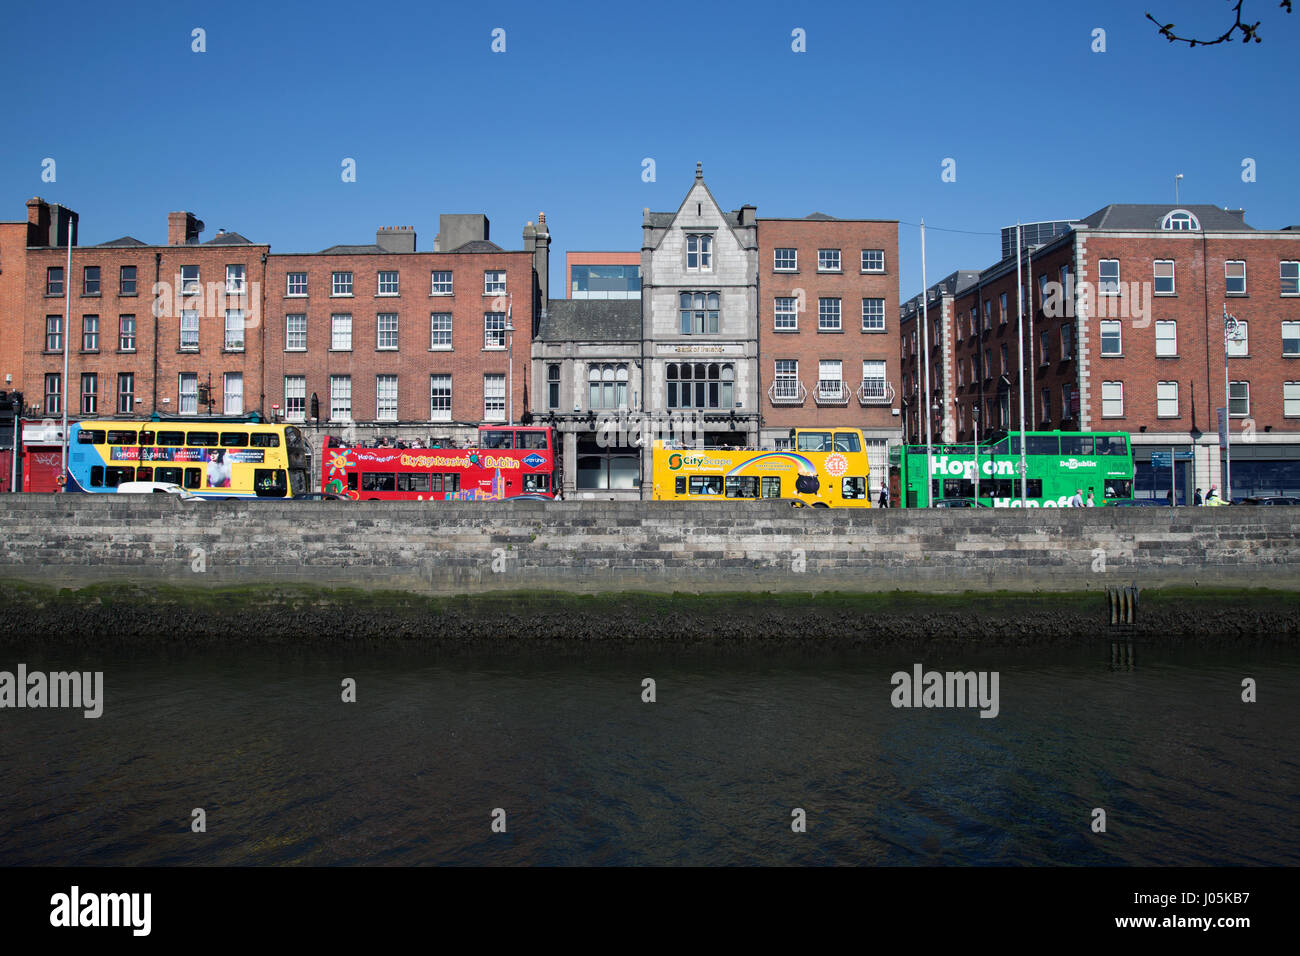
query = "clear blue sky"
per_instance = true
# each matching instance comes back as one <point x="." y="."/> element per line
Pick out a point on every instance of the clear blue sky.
<point x="250" y="134"/>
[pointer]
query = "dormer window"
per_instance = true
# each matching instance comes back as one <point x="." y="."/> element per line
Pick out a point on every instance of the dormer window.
<point x="699" y="253"/>
<point x="1180" y="220"/>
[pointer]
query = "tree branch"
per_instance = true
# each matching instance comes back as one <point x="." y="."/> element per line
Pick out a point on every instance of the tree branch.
<point x="1249" y="31"/>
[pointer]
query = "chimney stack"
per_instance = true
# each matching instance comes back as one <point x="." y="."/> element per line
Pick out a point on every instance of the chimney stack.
<point x="183" y="229"/>
<point x="396" y="238"/>
<point x="49" y="224"/>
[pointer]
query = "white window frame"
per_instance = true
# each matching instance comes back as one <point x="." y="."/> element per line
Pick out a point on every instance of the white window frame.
<point x="1112" y="405"/>
<point x="53" y="396"/>
<point x="386" y="338"/>
<point x="1180" y="220"/>
<point x="793" y="257"/>
<point x="340" y="398"/>
<point x="90" y="333"/>
<point x="830" y="318"/>
<point x="1239" y="347"/>
<point x="435" y="332"/>
<point x="494" y="282"/>
<point x="786" y="380"/>
<point x="1045" y="347"/>
<point x="1233" y="398"/>
<point x="1291" y="399"/>
<point x="125" y="339"/>
<point x="187" y="398"/>
<point x="1284" y="280"/>
<point x="389" y="286"/>
<point x="873" y="385"/>
<point x="436" y="284"/>
<point x="785" y="308"/>
<point x="232" y="398"/>
<point x="341" y="284"/>
<point x="1227" y="278"/>
<point x="292" y="335"/>
<point x="827" y="256"/>
<point x="191" y="283"/>
<point x="341" y="332"/>
<point x="295" y="285"/>
<point x="1170" y="342"/>
<point x="869" y="319"/>
<point x="869" y="257"/>
<point x="1294" y="329"/>
<point x="494" y="386"/>
<point x="699" y="252"/>
<point x="236" y="279"/>
<point x="494" y="331"/>
<point x="1067" y="342"/>
<point x="234" y="338"/>
<point x="189" y="324"/>
<point x="386" y="398"/>
<point x="1156" y="277"/>
<point x="1107" y="284"/>
<point x="295" y="398"/>
<point x="835" y="366"/>
<point x="125" y="393"/>
<point x="437" y="387"/>
<point x="1164" y="408"/>
<point x="1114" y="329"/>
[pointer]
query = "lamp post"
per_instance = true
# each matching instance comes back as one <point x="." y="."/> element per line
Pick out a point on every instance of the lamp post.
<point x="1231" y="333"/>
<point x="67" y="331"/>
<point x="975" y="419"/>
<point x="510" y="331"/>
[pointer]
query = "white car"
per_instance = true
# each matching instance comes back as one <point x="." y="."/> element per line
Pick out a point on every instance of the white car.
<point x="156" y="488"/>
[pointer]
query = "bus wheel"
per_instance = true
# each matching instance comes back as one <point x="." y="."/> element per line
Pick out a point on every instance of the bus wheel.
<point x="796" y="503"/>
<point x="820" y="504"/>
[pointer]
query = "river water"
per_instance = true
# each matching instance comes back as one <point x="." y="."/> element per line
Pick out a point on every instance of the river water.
<point x="587" y="773"/>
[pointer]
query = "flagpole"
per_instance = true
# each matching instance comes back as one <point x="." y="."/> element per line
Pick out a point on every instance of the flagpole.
<point x="1020" y="335"/>
<point x="925" y="355"/>
<point x="67" y="335"/>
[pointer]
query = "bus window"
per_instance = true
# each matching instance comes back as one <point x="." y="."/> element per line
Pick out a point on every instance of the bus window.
<point x="193" y="477"/>
<point x="1042" y="445"/>
<point x="264" y="440"/>
<point x="118" y="437"/>
<point x="999" y="448"/>
<point x="1076" y="444"/>
<point x="114" y="475"/>
<point x="537" y="483"/>
<point x="770" y="486"/>
<point x="234" y="439"/>
<point x="533" y="440"/>
<point x="144" y="474"/>
<point x="171" y="439"/>
<point x="960" y="487"/>
<point x="451" y="482"/>
<point x="1119" y="488"/>
<point x="706" y="484"/>
<point x="679" y="485"/>
<point x="297" y="481"/>
<point x="203" y="439"/>
<point x="269" y="482"/>
<point x="498" y="438"/>
<point x="90" y="437"/>
<point x="814" y="441"/>
<point x="1111" y="445"/>
<point x="378" y="481"/>
<point x="97" y="476"/>
<point x="853" y="487"/>
<point x="742" y="486"/>
<point x="352" y="481"/>
<point x="847" y="441"/>
<point x="172" y="475"/>
<point x="412" y="482"/>
<point x="147" y="437"/>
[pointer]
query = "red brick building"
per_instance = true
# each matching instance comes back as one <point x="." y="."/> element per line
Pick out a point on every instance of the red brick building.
<point x="827" y="330"/>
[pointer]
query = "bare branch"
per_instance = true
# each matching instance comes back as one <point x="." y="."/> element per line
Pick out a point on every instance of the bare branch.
<point x="1249" y="31"/>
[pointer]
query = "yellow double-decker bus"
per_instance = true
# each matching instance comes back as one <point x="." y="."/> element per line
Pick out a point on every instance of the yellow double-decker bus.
<point x="823" y="468"/>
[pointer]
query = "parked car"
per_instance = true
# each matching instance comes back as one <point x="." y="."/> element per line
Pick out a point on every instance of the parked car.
<point x="1138" y="503"/>
<point x="318" y="496"/>
<point x="959" y="503"/>
<point x="156" y="488"/>
<point x="1271" y="500"/>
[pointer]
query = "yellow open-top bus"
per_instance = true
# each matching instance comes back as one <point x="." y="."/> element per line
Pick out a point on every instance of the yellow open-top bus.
<point x="824" y="468"/>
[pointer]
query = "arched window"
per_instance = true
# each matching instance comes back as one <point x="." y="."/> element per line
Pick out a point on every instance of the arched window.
<point x="1180" y="220"/>
<point x="607" y="386"/>
<point x="701" y="385"/>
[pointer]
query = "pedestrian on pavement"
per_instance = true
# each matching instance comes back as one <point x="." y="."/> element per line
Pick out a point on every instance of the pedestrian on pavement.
<point x="1197" y="499"/>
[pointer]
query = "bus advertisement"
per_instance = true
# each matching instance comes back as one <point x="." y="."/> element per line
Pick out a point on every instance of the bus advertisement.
<point x="823" y="468"/>
<point x="1057" y="464"/>
<point x="213" y="458"/>
<point x="507" y="462"/>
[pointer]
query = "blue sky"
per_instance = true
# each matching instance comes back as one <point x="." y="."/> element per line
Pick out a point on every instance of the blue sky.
<point x="250" y="134"/>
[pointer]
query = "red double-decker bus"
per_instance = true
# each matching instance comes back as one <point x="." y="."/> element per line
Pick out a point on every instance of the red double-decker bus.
<point x="508" y="461"/>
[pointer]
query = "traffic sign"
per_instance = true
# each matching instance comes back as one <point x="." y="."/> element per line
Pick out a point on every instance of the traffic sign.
<point x="1161" y="459"/>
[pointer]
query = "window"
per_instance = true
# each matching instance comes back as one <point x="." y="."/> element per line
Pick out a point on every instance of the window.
<point x="90" y="280"/>
<point x="1067" y="342"/>
<point x="699" y="312"/>
<point x="1291" y="399"/>
<point x="440" y="330"/>
<point x="125" y="393"/>
<point x="189" y="280"/>
<point x="1044" y="348"/>
<point x="1004" y="358"/>
<point x="341" y="284"/>
<point x="607" y="386"/>
<point x="295" y="332"/>
<point x="295" y="398"/>
<point x="1180" y="220"/>
<point x="700" y="385"/>
<point x="90" y="333"/>
<point x="873" y="260"/>
<point x="1238" y="399"/>
<point x="54" y="280"/>
<point x="297" y="284"/>
<point x="873" y="315"/>
<point x="234" y="330"/>
<point x="1112" y="400"/>
<point x="1110" y="337"/>
<point x="787" y="315"/>
<point x="494" y="398"/>
<point x="828" y="315"/>
<point x="440" y="283"/>
<point x="1067" y="400"/>
<point x="234" y="394"/>
<point x="830" y="379"/>
<point x="440" y="398"/>
<point x="988" y="363"/>
<point x="1239" y="345"/>
<point x="1164" y="276"/>
<point x="388" y="283"/>
<point x="235" y="280"/>
<point x="1166" y="399"/>
<point x="190" y="329"/>
<point x="552" y="387"/>
<point x="785" y="260"/>
<point x="988" y="315"/>
<point x="1047" y="405"/>
<point x="52" y="394"/>
<point x="126" y="280"/>
<point x="340" y="398"/>
<point x="54" y="333"/>
<point x="494" y="282"/>
<point x="387" y="331"/>
<point x="386" y="398"/>
<point x="699" y="253"/>
<point x="494" y="330"/>
<point x="828" y="260"/>
<point x="1289" y="274"/>
<point x="341" y="333"/>
<point x="1108" y="277"/>
<point x="786" y="384"/>
<point x="1042" y="289"/>
<point x="974" y="319"/>
<point x="1166" y="339"/>
<point x="1002" y="309"/>
<point x="89" y="392"/>
<point x="1234" y="277"/>
<point x="126" y="333"/>
<point x="1291" y="338"/>
<point x="873" y="379"/>
<point x="188" y="391"/>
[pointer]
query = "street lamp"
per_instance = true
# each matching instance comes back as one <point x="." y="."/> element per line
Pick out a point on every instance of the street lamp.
<point x="975" y="420"/>
<point x="510" y="387"/>
<point x="1231" y="333"/>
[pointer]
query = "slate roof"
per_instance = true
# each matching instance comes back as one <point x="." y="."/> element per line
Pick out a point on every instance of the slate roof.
<point x="124" y="242"/>
<point x="351" y="250"/>
<point x="591" y="320"/>
<point x="662" y="220"/>
<point x="478" y="245"/>
<point x="228" y="239"/>
<point x="1140" y="217"/>
<point x="821" y="217"/>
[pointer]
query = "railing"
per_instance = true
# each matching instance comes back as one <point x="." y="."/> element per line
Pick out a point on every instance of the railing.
<point x="832" y="393"/>
<point x="787" y="393"/>
<point x="876" y="391"/>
